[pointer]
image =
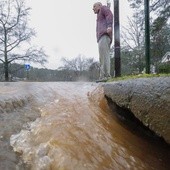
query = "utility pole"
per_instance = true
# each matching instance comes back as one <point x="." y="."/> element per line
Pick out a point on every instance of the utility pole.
<point x="117" y="39"/>
<point x="147" y="37"/>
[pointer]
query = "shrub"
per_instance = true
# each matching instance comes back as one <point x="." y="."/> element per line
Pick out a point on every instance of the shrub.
<point x="164" y="68"/>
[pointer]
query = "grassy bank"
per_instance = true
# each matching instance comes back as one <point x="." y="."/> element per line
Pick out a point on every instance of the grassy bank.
<point x="138" y="76"/>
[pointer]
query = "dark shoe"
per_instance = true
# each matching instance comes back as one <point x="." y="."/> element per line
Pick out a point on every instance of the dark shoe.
<point x="102" y="80"/>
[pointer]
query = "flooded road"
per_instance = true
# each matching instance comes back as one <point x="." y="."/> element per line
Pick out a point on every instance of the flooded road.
<point x="78" y="131"/>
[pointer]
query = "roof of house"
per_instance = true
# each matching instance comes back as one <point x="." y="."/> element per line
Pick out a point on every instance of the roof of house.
<point x="166" y="57"/>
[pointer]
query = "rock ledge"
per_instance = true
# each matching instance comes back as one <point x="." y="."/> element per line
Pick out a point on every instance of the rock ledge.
<point x="147" y="98"/>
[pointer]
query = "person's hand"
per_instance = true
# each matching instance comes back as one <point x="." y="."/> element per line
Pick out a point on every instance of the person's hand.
<point x="109" y="30"/>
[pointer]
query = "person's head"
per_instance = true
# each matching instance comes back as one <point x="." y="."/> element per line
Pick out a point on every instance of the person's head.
<point x="96" y="7"/>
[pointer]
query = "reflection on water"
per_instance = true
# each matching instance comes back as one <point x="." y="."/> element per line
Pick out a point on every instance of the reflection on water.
<point x="77" y="131"/>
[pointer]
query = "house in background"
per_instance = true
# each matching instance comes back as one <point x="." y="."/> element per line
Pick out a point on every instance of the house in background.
<point x="166" y="58"/>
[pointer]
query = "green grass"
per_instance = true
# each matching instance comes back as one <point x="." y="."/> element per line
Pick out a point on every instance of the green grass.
<point x="138" y="76"/>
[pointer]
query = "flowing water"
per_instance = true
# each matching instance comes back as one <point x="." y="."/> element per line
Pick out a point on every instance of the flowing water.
<point x="78" y="131"/>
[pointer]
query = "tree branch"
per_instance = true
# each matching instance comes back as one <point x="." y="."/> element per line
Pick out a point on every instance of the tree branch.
<point x="2" y="60"/>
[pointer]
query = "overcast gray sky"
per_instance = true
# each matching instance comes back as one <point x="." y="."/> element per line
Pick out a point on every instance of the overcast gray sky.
<point x="67" y="28"/>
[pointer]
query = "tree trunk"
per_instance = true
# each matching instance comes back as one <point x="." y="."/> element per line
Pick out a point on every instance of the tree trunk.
<point x="6" y="71"/>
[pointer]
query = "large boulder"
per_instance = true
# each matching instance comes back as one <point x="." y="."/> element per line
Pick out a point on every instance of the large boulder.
<point x="147" y="98"/>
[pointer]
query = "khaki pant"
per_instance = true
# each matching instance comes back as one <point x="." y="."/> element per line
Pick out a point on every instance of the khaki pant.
<point x="104" y="56"/>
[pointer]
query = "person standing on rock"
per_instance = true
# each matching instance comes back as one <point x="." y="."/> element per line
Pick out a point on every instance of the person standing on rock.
<point x="104" y="37"/>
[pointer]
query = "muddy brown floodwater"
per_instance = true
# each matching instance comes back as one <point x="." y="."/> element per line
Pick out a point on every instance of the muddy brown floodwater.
<point x="69" y="126"/>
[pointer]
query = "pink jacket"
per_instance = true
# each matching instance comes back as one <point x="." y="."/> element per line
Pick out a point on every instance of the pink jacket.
<point x="104" y="20"/>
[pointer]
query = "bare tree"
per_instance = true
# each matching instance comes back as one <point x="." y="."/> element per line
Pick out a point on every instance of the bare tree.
<point x="78" y="65"/>
<point x="158" y="8"/>
<point x="133" y="39"/>
<point x="14" y="33"/>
